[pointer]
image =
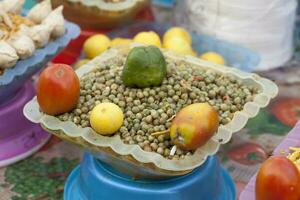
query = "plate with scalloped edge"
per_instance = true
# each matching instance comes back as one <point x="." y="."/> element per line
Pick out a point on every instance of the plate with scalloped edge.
<point x="131" y="158"/>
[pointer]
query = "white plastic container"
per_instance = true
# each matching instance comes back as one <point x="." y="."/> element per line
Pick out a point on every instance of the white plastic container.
<point x="264" y="26"/>
<point x="112" y="149"/>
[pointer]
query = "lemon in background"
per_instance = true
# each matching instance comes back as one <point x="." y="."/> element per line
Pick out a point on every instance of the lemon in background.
<point x="120" y="42"/>
<point x="213" y="57"/>
<point x="179" y="45"/>
<point x="95" y="45"/>
<point x="148" y="38"/>
<point x="177" y="32"/>
<point x="106" y="118"/>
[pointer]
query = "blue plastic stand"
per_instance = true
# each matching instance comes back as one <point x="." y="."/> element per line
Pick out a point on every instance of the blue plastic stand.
<point x="94" y="180"/>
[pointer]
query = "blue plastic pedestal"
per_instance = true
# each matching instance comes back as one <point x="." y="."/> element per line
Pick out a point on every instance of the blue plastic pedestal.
<point x="94" y="180"/>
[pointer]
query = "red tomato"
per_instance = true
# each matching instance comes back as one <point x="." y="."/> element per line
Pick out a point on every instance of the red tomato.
<point x="248" y="154"/>
<point x="287" y="110"/>
<point x="53" y="141"/>
<point x="58" y="89"/>
<point x="278" y="179"/>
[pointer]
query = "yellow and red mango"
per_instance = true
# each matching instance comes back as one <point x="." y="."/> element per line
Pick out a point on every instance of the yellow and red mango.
<point x="194" y="125"/>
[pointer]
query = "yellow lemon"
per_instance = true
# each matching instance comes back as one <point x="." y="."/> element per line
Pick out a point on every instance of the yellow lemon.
<point x="148" y="38"/>
<point x="213" y="57"/>
<point x="179" y="45"/>
<point x="81" y="62"/>
<point x="95" y="45"/>
<point x="106" y="118"/>
<point x="177" y="32"/>
<point x="120" y="42"/>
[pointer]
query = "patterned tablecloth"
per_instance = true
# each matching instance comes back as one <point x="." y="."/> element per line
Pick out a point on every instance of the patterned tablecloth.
<point x="42" y="176"/>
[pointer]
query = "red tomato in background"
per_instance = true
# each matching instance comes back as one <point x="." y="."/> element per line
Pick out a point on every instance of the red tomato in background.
<point x="278" y="179"/>
<point x="52" y="142"/>
<point x="248" y="154"/>
<point x="287" y="110"/>
<point x="58" y="89"/>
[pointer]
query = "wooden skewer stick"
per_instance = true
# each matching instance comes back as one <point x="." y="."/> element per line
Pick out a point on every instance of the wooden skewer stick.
<point x="171" y="118"/>
<point x="160" y="133"/>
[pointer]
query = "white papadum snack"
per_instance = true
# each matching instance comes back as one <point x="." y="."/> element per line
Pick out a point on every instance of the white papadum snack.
<point x="56" y="21"/>
<point x="12" y="6"/>
<point x="40" y="11"/>
<point x="23" y="45"/>
<point x="8" y="55"/>
<point x="40" y="34"/>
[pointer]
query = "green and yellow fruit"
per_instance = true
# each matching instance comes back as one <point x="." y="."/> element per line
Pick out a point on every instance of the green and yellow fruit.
<point x="194" y="125"/>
